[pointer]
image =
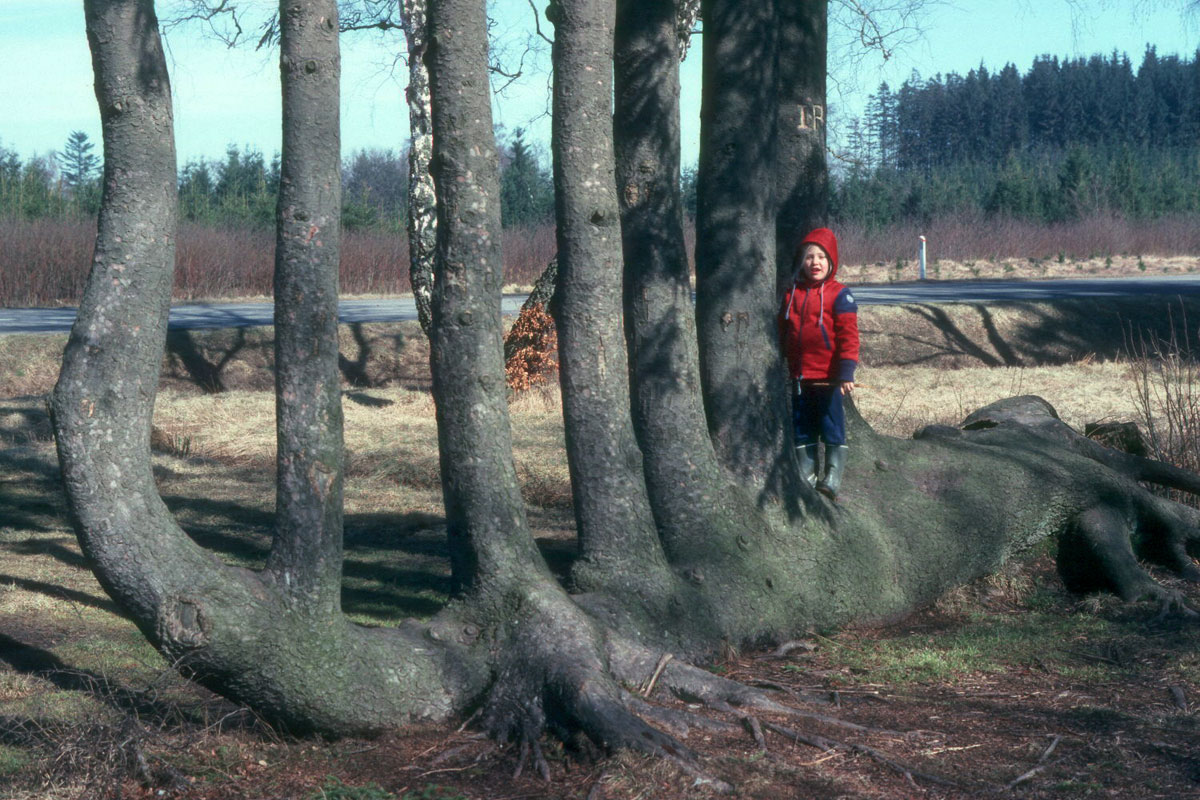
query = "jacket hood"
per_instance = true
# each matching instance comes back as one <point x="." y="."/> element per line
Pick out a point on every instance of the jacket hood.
<point x="827" y="241"/>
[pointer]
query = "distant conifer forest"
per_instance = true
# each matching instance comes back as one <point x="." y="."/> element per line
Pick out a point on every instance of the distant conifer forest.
<point x="1066" y="140"/>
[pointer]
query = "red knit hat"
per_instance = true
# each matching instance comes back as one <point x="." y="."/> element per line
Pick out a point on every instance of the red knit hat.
<point x="823" y="238"/>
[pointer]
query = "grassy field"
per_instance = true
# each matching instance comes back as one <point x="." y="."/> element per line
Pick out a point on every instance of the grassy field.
<point x="1010" y="682"/>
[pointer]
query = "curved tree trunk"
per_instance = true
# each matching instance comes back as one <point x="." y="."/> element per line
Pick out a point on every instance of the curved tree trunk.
<point x="300" y="664"/>
<point x="743" y="379"/>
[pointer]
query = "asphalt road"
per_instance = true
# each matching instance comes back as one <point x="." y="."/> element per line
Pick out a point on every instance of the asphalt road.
<point x="239" y="315"/>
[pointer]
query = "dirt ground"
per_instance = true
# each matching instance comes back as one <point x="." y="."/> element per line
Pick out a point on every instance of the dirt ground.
<point x="1008" y="688"/>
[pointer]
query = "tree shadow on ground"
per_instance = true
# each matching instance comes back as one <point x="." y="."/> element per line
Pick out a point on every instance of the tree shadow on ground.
<point x="61" y="593"/>
<point x="204" y="371"/>
<point x="397" y="564"/>
<point x="147" y="707"/>
<point x="355" y="372"/>
<point x="955" y="341"/>
<point x="1021" y="334"/>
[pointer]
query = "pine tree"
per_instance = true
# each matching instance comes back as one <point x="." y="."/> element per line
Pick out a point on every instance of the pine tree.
<point x="78" y="164"/>
<point x="526" y="191"/>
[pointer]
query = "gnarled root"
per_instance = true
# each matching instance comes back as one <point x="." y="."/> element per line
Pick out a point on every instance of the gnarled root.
<point x="555" y="675"/>
<point x="565" y="673"/>
<point x="1097" y="545"/>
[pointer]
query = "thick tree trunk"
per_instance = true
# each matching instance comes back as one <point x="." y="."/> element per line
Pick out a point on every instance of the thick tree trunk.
<point x="743" y="380"/>
<point x="306" y="554"/>
<point x="111" y="363"/>
<point x="615" y="528"/>
<point x="491" y="545"/>
<point x="802" y="177"/>
<point x="422" y="201"/>
<point x="698" y="510"/>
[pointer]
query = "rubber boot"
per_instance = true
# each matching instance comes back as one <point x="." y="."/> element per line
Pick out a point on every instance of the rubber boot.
<point x="835" y="465"/>
<point x="806" y="454"/>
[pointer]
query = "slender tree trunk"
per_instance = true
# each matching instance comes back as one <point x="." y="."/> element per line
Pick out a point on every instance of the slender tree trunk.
<point x="422" y="200"/>
<point x="802" y="177"/>
<point x="690" y="495"/>
<point x="306" y="554"/>
<point x="616" y="530"/>
<point x="743" y="380"/>
<point x="491" y="545"/>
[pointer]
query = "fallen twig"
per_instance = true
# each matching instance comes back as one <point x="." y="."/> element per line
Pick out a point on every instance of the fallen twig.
<point x="658" y="670"/>
<point x="877" y="755"/>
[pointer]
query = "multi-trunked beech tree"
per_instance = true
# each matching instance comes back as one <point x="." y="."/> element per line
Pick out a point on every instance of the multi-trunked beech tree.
<point x="694" y="530"/>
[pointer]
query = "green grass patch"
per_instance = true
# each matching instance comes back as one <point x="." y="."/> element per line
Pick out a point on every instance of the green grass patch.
<point x="12" y="760"/>
<point x="1038" y="634"/>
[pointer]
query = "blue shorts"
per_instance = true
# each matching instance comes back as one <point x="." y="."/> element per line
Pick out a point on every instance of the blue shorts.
<point x="817" y="415"/>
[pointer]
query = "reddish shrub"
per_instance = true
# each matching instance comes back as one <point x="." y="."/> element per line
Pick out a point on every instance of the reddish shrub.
<point x="532" y="348"/>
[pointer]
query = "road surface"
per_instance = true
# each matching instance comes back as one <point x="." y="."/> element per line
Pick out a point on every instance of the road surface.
<point x="238" y="315"/>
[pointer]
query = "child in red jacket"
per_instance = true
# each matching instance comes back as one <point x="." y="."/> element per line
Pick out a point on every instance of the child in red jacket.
<point x="818" y="327"/>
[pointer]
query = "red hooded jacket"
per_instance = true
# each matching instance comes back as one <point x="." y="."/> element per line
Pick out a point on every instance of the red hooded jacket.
<point x="818" y="322"/>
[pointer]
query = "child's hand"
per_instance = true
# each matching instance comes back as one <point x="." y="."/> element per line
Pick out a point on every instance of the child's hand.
<point x="847" y="387"/>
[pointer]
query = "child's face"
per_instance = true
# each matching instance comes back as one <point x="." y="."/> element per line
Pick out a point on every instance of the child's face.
<point x="814" y="263"/>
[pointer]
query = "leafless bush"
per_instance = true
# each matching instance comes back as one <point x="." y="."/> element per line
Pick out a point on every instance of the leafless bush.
<point x="1166" y="379"/>
<point x="217" y="263"/>
<point x="976" y="237"/>
<point x="125" y="743"/>
<point x="374" y="263"/>
<point x="43" y="261"/>
<point x="527" y="251"/>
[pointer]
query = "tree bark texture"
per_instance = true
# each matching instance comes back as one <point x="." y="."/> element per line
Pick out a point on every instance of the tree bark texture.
<point x="743" y="380"/>
<point x="615" y="528"/>
<point x="802" y="176"/>
<point x="491" y="546"/>
<point x="690" y="495"/>
<point x="422" y="200"/>
<point x="306" y="554"/>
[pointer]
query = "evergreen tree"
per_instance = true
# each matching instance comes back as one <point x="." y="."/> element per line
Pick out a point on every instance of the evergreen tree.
<point x="79" y="165"/>
<point x="196" y="191"/>
<point x="526" y="190"/>
<point x="884" y="127"/>
<point x="375" y="189"/>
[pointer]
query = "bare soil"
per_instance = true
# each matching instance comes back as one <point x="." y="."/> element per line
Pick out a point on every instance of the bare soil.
<point x="1108" y="712"/>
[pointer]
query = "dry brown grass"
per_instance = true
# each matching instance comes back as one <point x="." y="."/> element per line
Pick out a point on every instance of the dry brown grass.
<point x="898" y="400"/>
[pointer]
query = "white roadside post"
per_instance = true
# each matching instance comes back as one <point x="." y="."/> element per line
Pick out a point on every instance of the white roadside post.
<point x="921" y="260"/>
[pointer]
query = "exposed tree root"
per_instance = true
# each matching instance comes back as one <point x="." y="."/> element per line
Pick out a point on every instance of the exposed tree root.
<point x="1097" y="547"/>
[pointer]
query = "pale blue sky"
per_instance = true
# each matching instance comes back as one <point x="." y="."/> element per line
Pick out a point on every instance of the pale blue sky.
<point x="227" y="96"/>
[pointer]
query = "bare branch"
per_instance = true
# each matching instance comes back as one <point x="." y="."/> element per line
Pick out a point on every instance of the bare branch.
<point x="881" y="26"/>
<point x="537" y="24"/>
